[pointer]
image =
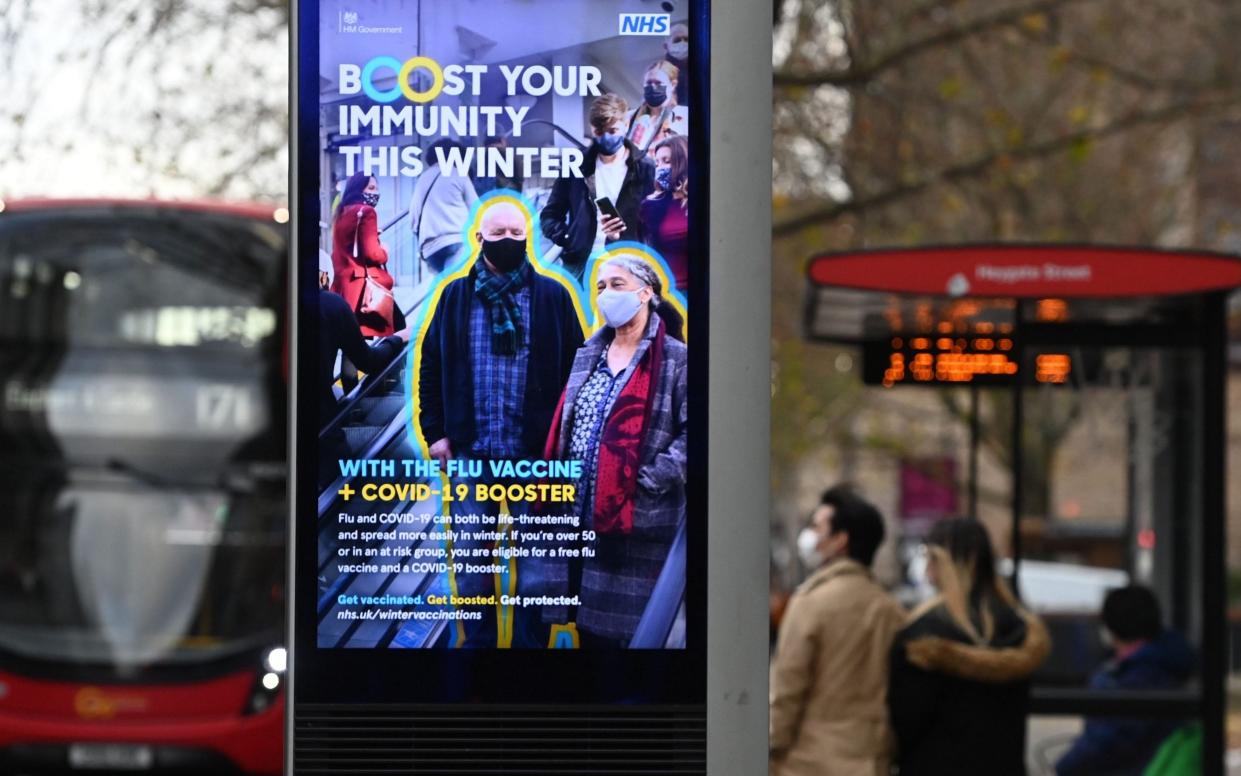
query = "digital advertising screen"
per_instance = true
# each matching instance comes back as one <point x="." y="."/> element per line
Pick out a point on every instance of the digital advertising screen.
<point x="501" y="265"/>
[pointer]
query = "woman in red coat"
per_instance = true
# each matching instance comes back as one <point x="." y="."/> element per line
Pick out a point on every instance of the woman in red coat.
<point x="356" y="224"/>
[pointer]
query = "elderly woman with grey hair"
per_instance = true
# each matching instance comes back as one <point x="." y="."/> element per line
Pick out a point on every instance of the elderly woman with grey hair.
<point x="623" y="415"/>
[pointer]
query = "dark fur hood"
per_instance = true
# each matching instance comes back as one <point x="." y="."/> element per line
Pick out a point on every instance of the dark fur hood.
<point x="1016" y="651"/>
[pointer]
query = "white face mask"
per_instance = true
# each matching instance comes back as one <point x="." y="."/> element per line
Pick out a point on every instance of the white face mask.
<point x="679" y="50"/>
<point x="618" y="307"/>
<point x="808" y="548"/>
<point x="918" y="571"/>
<point x="325" y="265"/>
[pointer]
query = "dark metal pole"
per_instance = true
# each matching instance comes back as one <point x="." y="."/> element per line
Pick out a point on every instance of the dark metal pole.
<point x="1018" y="459"/>
<point x="975" y="434"/>
<point x="1214" y="560"/>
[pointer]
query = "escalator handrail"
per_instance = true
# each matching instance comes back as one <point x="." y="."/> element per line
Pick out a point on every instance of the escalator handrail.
<point x="373" y="448"/>
<point x="326" y="228"/>
<point x="349" y="401"/>
<point x="661" y="611"/>
<point x="363" y="388"/>
<point x="555" y="127"/>
<point x="349" y="398"/>
<point x="393" y="222"/>
<point x="366" y="387"/>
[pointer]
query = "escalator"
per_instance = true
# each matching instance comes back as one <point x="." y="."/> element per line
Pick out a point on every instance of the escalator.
<point x="372" y="424"/>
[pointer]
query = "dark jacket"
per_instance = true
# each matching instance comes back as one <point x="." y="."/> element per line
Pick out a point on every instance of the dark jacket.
<point x="445" y="378"/>
<point x="570" y="218"/>
<point x="1119" y="747"/>
<point x="949" y="726"/>
<point x="338" y="331"/>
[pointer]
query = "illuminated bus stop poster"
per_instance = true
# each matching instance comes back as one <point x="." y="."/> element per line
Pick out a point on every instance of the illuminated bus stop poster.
<point x="504" y="261"/>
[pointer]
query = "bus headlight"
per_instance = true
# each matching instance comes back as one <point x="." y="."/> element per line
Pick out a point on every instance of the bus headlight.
<point x="267" y="685"/>
<point x="276" y="660"/>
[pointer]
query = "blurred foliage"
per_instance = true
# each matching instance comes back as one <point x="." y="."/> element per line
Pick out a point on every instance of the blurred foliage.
<point x="914" y="122"/>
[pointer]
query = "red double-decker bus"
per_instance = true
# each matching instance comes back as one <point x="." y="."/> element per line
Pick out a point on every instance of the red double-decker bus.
<point x="142" y="487"/>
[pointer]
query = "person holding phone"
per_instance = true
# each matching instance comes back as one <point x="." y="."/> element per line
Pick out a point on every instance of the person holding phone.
<point x="966" y="714"/>
<point x="583" y="215"/>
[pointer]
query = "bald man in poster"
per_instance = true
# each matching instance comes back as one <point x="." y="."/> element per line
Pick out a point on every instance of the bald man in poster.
<point x="495" y="359"/>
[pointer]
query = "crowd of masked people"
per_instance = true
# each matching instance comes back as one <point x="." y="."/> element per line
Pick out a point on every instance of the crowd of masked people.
<point x="506" y="370"/>
<point x="861" y="687"/>
<point x="626" y="195"/>
<point x="636" y="188"/>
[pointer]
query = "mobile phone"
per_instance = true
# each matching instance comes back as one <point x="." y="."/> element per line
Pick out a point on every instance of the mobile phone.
<point x="607" y="208"/>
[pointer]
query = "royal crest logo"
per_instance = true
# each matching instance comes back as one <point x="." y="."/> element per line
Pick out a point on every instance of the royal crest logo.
<point x="350" y="17"/>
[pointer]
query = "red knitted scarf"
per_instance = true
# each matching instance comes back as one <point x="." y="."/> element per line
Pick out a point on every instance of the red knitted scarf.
<point x="620" y="443"/>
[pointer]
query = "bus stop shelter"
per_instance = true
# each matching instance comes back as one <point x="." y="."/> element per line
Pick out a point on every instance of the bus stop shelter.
<point x="1130" y="340"/>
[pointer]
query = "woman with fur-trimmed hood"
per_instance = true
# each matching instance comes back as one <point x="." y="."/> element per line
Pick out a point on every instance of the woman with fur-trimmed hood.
<point x="958" y="691"/>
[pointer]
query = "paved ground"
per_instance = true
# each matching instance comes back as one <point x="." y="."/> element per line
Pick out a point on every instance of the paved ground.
<point x="1048" y="738"/>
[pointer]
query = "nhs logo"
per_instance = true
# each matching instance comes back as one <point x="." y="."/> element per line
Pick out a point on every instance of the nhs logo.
<point x="645" y="23"/>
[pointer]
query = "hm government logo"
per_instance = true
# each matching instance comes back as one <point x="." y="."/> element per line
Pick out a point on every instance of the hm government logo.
<point x="351" y="22"/>
<point x="645" y="23"/>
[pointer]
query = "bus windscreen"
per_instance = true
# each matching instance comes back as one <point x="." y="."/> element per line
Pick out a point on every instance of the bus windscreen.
<point x="141" y="438"/>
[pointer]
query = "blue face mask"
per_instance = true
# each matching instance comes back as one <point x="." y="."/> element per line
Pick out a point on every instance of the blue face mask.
<point x="663" y="178"/>
<point x="610" y="143"/>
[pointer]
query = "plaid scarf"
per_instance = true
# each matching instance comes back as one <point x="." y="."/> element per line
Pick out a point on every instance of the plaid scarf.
<point x="498" y="293"/>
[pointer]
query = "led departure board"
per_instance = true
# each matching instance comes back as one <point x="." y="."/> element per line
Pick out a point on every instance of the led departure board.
<point x="975" y="357"/>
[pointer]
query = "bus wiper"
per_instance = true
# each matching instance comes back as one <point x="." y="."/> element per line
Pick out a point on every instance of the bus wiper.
<point x="139" y="474"/>
<point x="232" y="479"/>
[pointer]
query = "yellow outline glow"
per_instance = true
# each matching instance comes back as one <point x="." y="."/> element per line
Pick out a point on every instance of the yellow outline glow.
<point x="664" y="278"/>
<point x="433" y="300"/>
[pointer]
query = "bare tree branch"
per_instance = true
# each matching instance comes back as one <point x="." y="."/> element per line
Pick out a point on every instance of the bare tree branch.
<point x="864" y="72"/>
<point x="1174" y="112"/>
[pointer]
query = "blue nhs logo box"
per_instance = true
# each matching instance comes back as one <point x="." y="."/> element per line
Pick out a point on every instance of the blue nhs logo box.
<point x="645" y="23"/>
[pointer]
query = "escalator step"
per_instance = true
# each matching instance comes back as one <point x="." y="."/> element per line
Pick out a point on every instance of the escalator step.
<point x="357" y="438"/>
<point x="379" y="410"/>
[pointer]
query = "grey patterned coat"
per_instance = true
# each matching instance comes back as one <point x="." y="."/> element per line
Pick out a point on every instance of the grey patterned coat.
<point x="617" y="582"/>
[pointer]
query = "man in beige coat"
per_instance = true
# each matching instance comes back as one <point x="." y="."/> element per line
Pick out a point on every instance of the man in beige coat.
<point x="829" y="677"/>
